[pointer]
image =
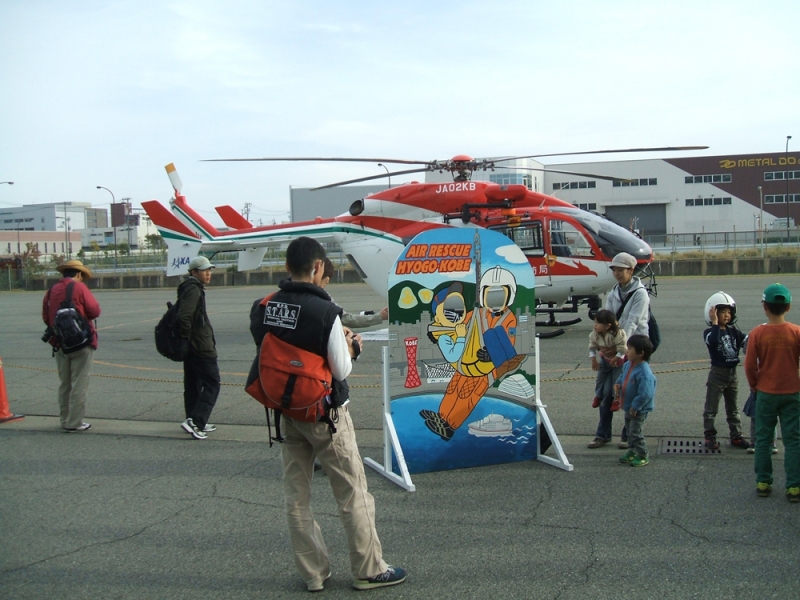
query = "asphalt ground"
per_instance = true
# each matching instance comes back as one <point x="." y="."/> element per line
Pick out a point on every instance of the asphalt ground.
<point x="135" y="508"/>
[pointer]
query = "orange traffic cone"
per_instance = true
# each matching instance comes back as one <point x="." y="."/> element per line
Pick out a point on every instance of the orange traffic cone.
<point x="5" y="413"/>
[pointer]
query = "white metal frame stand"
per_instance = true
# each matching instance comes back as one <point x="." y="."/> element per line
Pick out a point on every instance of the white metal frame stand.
<point x="390" y="439"/>
<point x="392" y="442"/>
<point x="562" y="462"/>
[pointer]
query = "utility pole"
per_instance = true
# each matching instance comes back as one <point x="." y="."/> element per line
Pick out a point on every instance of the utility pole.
<point x="246" y="210"/>
<point x="113" y="202"/>
<point x="786" y="177"/>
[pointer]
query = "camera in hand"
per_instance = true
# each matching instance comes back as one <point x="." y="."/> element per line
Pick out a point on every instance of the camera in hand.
<point x="48" y="333"/>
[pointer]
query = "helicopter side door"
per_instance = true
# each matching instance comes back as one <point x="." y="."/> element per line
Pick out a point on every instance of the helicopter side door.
<point x="529" y="236"/>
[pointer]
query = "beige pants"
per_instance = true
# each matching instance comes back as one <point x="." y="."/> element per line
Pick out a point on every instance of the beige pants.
<point x="342" y="463"/>
<point x="74" y="370"/>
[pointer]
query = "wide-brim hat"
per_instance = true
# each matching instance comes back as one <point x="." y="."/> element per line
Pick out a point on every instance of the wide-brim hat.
<point x="75" y="265"/>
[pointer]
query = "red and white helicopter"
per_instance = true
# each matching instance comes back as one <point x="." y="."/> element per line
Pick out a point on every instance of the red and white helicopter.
<point x="569" y="249"/>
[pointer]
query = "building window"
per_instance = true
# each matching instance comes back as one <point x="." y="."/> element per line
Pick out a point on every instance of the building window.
<point x="721" y="178"/>
<point x="780" y="198"/>
<point x="575" y="185"/>
<point x="717" y="201"/>
<point x="587" y="206"/>
<point x="781" y="175"/>
<point x="636" y="182"/>
<point x="512" y="179"/>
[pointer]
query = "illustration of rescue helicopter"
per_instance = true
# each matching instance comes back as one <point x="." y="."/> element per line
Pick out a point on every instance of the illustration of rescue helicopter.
<point x="569" y="249"/>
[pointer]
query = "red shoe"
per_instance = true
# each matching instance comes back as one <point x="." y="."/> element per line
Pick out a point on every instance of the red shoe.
<point x="616" y="405"/>
<point x="595" y="402"/>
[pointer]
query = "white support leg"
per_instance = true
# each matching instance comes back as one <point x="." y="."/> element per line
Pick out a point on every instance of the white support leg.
<point x="562" y="462"/>
<point x="390" y="439"/>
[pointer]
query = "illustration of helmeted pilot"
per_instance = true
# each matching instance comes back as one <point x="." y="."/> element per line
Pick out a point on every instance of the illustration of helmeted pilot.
<point x="448" y="330"/>
<point x="488" y="353"/>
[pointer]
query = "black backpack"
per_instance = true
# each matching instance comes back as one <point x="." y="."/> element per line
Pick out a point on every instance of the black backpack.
<point x="169" y="342"/>
<point x="70" y="327"/>
<point x="653" y="331"/>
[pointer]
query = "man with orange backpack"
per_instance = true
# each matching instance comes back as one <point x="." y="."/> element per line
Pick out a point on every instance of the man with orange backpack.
<point x="302" y="315"/>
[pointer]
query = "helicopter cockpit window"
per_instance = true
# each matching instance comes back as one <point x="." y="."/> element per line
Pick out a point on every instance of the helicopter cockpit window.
<point x="566" y="240"/>
<point x="610" y="237"/>
<point x="527" y="236"/>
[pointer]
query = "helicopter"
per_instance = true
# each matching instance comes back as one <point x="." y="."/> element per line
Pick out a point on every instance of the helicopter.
<point x="569" y="249"/>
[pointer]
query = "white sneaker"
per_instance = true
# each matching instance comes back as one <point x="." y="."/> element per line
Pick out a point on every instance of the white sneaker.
<point x="209" y="428"/>
<point x="190" y="428"/>
<point x="321" y="586"/>
<point x="82" y="427"/>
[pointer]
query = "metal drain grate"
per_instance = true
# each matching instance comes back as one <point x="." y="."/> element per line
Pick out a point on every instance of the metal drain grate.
<point x="685" y="446"/>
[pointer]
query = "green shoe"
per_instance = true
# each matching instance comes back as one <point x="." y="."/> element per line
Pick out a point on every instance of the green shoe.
<point x="793" y="494"/>
<point x="763" y="489"/>
<point x="627" y="457"/>
<point x="639" y="461"/>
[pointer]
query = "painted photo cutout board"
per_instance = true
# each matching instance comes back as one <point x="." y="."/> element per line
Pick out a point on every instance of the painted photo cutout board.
<point x="461" y="341"/>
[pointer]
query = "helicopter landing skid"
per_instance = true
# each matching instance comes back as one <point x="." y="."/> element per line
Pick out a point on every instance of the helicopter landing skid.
<point x="553" y="323"/>
<point x="550" y="334"/>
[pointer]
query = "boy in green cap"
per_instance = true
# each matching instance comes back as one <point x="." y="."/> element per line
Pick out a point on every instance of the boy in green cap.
<point x="771" y="365"/>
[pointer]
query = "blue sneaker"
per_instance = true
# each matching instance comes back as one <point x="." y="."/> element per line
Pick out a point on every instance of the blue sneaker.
<point x="391" y="576"/>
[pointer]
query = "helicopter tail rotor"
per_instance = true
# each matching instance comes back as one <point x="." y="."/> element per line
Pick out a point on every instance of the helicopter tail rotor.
<point x="174" y="178"/>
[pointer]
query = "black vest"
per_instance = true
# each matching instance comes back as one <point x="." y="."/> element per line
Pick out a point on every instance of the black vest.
<point x="309" y="329"/>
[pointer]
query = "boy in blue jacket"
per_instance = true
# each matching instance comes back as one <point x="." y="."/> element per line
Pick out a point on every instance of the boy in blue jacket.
<point x="636" y="388"/>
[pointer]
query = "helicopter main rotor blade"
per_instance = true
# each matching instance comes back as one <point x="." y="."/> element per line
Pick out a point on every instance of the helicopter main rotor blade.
<point x="592" y="175"/>
<point x="371" y="177"/>
<point x="662" y="149"/>
<point x="319" y="159"/>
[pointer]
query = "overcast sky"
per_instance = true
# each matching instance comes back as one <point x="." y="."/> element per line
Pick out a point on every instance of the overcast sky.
<point x="108" y="92"/>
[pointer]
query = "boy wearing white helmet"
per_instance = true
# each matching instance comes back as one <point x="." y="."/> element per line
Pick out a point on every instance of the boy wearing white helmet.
<point x="723" y="340"/>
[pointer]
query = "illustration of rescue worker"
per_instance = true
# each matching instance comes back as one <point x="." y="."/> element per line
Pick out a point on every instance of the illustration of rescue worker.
<point x="488" y="353"/>
<point x="448" y="330"/>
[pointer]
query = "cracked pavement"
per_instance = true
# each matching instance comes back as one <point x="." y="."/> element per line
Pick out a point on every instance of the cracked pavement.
<point x="135" y="508"/>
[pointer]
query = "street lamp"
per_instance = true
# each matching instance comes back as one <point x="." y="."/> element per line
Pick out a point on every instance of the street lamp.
<point x="113" y="201"/>
<point x="761" y="218"/>
<point x="786" y="176"/>
<point x="387" y="172"/>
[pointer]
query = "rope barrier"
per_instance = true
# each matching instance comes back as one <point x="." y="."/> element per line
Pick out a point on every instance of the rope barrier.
<point x="353" y="386"/>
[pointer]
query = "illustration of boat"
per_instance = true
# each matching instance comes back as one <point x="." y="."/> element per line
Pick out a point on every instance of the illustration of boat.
<point x="491" y="426"/>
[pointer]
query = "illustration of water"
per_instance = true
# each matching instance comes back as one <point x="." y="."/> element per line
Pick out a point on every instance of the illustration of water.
<point x="425" y="451"/>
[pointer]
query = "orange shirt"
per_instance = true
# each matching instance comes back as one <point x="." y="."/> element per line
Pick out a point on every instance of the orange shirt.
<point x="773" y="358"/>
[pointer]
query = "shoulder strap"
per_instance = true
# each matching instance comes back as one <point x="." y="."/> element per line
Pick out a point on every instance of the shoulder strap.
<point x="68" y="297"/>
<point x="267" y="298"/>
<point x="627" y="298"/>
<point x="624" y="303"/>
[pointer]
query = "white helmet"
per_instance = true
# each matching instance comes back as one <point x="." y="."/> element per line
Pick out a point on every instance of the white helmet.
<point x="718" y="300"/>
<point x="498" y="289"/>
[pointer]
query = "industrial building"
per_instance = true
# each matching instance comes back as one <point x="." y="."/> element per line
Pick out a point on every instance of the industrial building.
<point x="66" y="227"/>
